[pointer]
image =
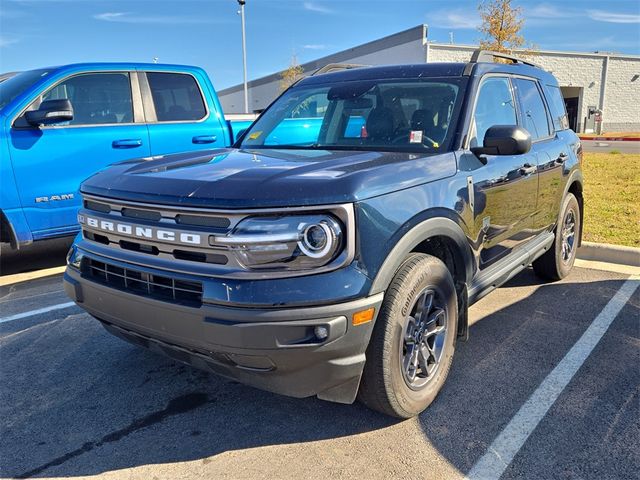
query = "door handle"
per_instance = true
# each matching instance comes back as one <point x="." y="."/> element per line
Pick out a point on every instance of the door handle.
<point x="204" y="139"/>
<point x="127" y="143"/>
<point x="562" y="158"/>
<point x="527" y="169"/>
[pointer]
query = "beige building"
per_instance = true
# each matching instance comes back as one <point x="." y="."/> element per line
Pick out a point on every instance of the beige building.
<point x="591" y="82"/>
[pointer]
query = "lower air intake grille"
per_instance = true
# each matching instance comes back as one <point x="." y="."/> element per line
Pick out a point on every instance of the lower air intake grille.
<point x="145" y="284"/>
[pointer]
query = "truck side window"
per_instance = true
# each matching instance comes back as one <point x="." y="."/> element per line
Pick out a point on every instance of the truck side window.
<point x="97" y="98"/>
<point x="495" y="106"/>
<point x="176" y="97"/>
<point x="534" y="113"/>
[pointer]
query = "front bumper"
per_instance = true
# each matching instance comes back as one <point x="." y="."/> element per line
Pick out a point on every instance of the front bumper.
<point x="273" y="349"/>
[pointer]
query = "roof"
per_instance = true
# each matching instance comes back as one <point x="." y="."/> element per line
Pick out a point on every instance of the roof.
<point x="428" y="70"/>
<point x="419" y="70"/>
<point x="126" y="65"/>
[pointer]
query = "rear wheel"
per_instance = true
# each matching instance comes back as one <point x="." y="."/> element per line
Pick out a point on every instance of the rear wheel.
<point x="558" y="261"/>
<point x="412" y="344"/>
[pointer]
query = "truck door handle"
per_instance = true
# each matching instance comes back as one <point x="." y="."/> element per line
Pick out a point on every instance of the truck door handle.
<point x="562" y="158"/>
<point x="527" y="169"/>
<point x="204" y="139"/>
<point x="127" y="143"/>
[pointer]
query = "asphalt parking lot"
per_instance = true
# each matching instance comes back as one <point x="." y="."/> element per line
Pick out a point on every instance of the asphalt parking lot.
<point x="606" y="146"/>
<point x="77" y="402"/>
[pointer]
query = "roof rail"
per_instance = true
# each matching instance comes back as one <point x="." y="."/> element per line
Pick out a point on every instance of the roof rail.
<point x="335" y="67"/>
<point x="480" y="55"/>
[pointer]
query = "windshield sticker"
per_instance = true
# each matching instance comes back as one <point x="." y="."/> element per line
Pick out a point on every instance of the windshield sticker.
<point x="255" y="135"/>
<point x="415" y="136"/>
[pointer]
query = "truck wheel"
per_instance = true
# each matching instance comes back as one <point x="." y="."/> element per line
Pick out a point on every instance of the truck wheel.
<point x="412" y="343"/>
<point x="558" y="261"/>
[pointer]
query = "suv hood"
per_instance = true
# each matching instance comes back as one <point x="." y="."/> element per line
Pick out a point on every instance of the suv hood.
<point x="231" y="178"/>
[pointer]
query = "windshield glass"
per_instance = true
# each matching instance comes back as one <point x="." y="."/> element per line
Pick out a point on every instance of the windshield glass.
<point x="14" y="86"/>
<point x="389" y="115"/>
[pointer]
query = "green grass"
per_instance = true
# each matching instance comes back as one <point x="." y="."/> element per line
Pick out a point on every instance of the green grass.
<point x="612" y="198"/>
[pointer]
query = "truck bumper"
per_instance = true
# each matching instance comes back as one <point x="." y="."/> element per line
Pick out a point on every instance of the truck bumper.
<point x="275" y="349"/>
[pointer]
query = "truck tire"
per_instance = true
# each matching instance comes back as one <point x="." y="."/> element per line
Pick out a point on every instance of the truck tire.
<point x="557" y="262"/>
<point x="413" y="341"/>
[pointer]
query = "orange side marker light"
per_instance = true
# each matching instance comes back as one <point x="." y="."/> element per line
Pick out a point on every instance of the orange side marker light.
<point x="363" y="316"/>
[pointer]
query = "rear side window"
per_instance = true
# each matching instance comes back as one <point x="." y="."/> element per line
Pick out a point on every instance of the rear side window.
<point x="176" y="97"/>
<point x="558" y="109"/>
<point x="97" y="98"/>
<point x="534" y="113"/>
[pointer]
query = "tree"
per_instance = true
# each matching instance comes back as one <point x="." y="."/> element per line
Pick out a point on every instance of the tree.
<point x="291" y="75"/>
<point x="501" y="25"/>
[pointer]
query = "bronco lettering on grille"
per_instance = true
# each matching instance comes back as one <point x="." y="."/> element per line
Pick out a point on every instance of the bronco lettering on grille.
<point x="138" y="231"/>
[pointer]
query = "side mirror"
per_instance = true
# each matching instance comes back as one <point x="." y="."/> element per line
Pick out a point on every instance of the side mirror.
<point x="504" y="140"/>
<point x="50" y="112"/>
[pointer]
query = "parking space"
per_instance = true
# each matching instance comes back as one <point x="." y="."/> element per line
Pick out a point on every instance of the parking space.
<point x="77" y="402"/>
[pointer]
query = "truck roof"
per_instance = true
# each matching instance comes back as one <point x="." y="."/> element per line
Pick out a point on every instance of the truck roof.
<point x="121" y="65"/>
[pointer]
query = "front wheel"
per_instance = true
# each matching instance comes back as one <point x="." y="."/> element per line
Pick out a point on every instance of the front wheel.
<point x="412" y="344"/>
<point x="558" y="261"/>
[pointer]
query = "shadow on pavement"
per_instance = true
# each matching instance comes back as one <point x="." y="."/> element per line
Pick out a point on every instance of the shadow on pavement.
<point x="37" y="256"/>
<point x="88" y="403"/>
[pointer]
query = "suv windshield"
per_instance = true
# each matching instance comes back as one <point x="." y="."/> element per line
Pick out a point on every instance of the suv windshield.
<point x="14" y="86"/>
<point x="389" y="115"/>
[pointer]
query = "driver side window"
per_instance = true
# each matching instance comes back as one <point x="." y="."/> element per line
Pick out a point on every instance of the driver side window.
<point x="97" y="98"/>
<point x="495" y="106"/>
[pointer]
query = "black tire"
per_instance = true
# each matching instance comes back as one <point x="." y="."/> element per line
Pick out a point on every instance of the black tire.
<point x="556" y="264"/>
<point x="385" y="386"/>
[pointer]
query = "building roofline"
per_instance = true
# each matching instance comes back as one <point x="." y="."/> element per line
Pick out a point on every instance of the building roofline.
<point x="418" y="32"/>
<point x="458" y="46"/>
<point x="414" y="33"/>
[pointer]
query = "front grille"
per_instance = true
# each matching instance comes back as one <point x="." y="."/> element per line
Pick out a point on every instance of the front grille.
<point x="201" y="223"/>
<point x="141" y="214"/>
<point x="154" y="286"/>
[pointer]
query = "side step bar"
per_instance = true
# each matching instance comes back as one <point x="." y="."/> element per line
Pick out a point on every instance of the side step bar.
<point x="494" y="276"/>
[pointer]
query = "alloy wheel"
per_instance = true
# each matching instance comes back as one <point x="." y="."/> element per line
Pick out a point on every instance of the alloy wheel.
<point x="423" y="339"/>
<point x="568" y="236"/>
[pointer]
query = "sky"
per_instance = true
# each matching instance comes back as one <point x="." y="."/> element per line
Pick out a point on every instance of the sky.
<point x="39" y="33"/>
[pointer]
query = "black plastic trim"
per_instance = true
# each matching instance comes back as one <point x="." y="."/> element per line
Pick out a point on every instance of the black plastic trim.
<point x="507" y="268"/>
<point x="431" y="227"/>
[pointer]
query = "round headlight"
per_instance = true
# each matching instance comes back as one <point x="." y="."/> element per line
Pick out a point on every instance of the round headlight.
<point x="288" y="242"/>
<point x="317" y="240"/>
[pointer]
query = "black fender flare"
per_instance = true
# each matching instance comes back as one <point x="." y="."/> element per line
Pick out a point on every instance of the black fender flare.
<point x="575" y="177"/>
<point x="431" y="227"/>
<point x="7" y="228"/>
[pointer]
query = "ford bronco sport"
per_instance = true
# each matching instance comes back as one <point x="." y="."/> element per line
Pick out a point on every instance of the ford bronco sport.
<point x="339" y="263"/>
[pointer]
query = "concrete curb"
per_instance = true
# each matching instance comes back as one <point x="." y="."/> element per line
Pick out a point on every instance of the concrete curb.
<point x="610" y="139"/>
<point x="603" y="252"/>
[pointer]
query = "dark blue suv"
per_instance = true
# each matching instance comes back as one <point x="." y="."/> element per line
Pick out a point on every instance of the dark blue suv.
<point x="339" y="262"/>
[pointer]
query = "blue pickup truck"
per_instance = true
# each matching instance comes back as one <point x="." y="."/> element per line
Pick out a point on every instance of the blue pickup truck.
<point x="60" y="125"/>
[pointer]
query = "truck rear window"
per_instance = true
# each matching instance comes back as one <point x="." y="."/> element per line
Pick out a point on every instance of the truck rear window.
<point x="176" y="97"/>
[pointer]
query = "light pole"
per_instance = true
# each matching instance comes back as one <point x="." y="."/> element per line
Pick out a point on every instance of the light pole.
<point x="244" y="56"/>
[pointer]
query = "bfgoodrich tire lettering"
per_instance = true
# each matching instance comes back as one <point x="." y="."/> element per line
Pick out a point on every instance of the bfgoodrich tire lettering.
<point x="386" y="386"/>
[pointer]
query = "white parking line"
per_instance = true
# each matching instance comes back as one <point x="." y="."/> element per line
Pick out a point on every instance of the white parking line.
<point x="506" y="445"/>
<point x="30" y="313"/>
